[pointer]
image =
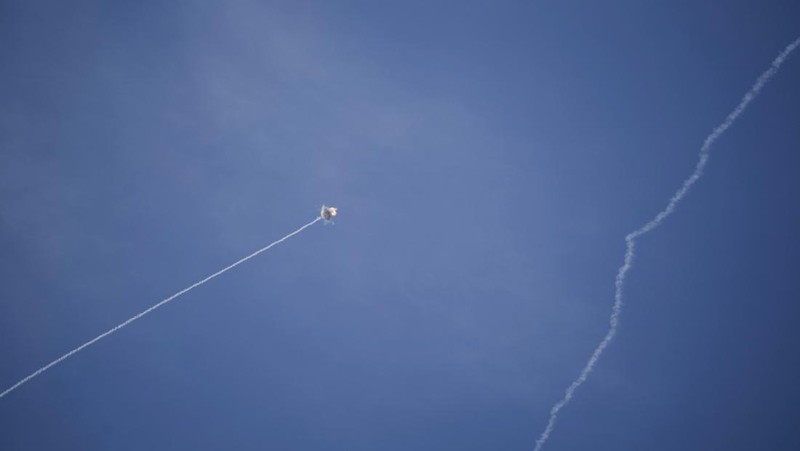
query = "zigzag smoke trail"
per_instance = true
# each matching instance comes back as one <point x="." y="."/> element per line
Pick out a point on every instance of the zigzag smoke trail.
<point x="145" y="312"/>
<point x="630" y="239"/>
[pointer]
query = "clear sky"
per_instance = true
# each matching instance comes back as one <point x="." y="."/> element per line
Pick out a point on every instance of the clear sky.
<point x="488" y="159"/>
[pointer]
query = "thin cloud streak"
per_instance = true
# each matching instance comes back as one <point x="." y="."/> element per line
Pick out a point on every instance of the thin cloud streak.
<point x="630" y="239"/>
<point x="145" y="312"/>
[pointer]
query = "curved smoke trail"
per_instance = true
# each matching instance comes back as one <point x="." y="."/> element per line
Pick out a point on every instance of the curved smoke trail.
<point x="145" y="312"/>
<point x="630" y="239"/>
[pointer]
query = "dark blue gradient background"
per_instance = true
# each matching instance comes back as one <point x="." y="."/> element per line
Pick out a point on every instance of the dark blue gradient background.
<point x="487" y="157"/>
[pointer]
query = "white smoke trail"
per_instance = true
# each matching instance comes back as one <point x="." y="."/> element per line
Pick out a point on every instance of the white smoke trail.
<point x="630" y="239"/>
<point x="145" y="312"/>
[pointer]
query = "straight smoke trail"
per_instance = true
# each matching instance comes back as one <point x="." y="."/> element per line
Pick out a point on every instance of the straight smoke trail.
<point x="145" y="312"/>
<point x="630" y="239"/>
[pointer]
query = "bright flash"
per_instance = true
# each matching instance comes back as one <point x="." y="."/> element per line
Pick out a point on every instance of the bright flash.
<point x="327" y="213"/>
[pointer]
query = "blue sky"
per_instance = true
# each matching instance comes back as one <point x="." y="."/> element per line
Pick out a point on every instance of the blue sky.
<point x="488" y="160"/>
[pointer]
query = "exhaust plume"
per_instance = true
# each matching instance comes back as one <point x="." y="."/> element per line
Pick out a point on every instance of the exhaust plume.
<point x="630" y="239"/>
<point x="145" y="312"/>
